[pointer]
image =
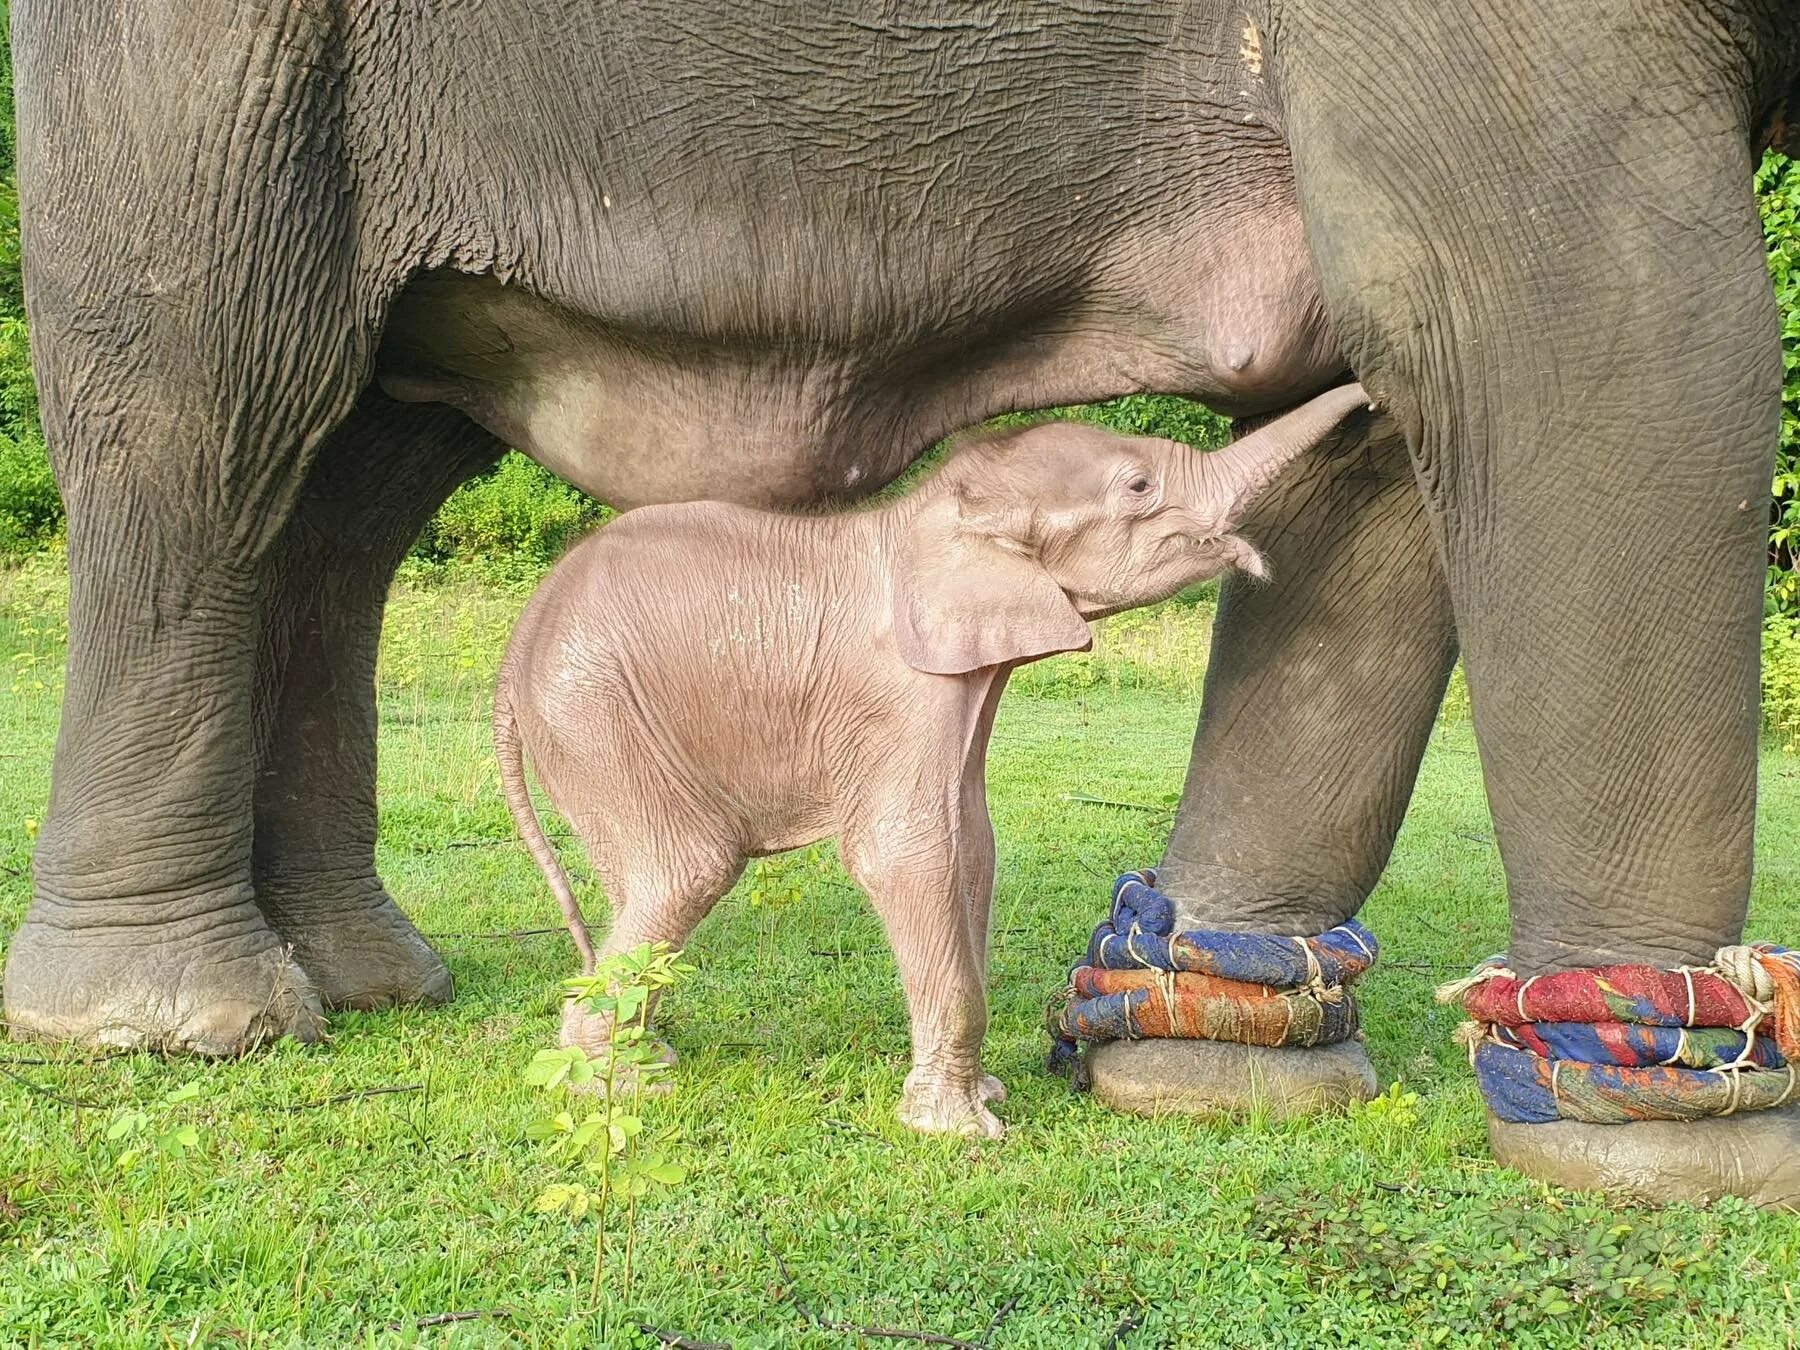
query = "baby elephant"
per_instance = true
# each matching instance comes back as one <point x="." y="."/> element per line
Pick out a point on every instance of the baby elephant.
<point x="701" y="684"/>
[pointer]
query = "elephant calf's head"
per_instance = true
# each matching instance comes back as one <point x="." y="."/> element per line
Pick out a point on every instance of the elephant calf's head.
<point x="1027" y="534"/>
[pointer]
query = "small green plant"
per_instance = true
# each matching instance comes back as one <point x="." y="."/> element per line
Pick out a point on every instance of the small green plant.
<point x="780" y="882"/>
<point x="611" y="1144"/>
<point x="784" y="879"/>
<point x="510" y="523"/>
<point x="162" y="1134"/>
<point x="1397" y="1106"/>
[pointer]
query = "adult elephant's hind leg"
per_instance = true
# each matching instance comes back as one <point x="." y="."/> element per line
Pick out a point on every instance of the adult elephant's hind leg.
<point x="1320" y="698"/>
<point x="374" y="485"/>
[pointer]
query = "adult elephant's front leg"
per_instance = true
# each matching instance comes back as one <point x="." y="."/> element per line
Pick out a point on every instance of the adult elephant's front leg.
<point x="373" y="487"/>
<point x="1320" y="698"/>
<point x="1551" y="270"/>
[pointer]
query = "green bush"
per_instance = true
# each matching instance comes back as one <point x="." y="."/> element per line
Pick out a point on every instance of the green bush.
<point x="30" y="510"/>
<point x="1781" y="678"/>
<point x="1778" y="183"/>
<point x="514" y="520"/>
<point x="1165" y="415"/>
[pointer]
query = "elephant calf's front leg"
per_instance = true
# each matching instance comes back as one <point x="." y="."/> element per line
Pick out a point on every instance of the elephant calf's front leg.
<point x="914" y="880"/>
<point x="975" y="857"/>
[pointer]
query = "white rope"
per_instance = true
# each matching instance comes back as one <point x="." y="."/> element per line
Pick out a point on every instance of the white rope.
<point x="1455" y="989"/>
<point x="1520" y="1000"/>
<point x="1742" y="968"/>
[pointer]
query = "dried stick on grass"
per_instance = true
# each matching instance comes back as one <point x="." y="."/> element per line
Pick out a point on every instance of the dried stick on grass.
<point x="680" y="1342"/>
<point x="356" y="1095"/>
<point x="447" y="1318"/>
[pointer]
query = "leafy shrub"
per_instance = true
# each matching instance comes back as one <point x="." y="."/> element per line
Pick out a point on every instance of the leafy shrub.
<point x="515" y="519"/>
<point x="1165" y="415"/>
<point x="1163" y="648"/>
<point x="1175" y="419"/>
<point x="30" y="510"/>
<point x="1781" y="678"/>
<point x="1778" y="183"/>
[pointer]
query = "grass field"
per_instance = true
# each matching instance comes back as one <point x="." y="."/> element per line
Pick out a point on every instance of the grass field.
<point x="297" y="1219"/>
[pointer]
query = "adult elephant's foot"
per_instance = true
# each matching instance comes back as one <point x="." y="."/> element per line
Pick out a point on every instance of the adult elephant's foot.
<point x="1220" y="1078"/>
<point x="359" y="949"/>
<point x="221" y="988"/>
<point x="1755" y="1156"/>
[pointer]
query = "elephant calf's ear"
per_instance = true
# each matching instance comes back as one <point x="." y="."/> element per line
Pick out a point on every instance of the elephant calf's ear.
<point x="965" y="601"/>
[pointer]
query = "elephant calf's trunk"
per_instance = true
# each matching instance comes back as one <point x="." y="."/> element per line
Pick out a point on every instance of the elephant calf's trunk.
<point x="1251" y="463"/>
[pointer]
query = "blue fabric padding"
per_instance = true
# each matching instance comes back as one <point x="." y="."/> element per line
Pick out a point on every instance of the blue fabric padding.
<point x="1514" y="1085"/>
<point x="1138" y="935"/>
<point x="1588" y="1042"/>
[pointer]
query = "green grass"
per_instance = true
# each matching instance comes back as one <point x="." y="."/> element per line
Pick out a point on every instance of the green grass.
<point x="323" y="1225"/>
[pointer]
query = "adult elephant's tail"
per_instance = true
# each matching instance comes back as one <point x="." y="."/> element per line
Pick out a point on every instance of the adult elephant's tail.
<point x="511" y="752"/>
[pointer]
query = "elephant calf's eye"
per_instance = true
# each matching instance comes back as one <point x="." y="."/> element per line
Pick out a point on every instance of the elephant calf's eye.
<point x="1138" y="486"/>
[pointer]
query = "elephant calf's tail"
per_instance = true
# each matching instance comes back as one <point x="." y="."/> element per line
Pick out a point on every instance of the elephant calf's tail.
<point x="511" y="752"/>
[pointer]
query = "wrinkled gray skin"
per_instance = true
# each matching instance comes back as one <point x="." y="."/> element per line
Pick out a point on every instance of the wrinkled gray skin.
<point x="296" y="269"/>
<point x="701" y="684"/>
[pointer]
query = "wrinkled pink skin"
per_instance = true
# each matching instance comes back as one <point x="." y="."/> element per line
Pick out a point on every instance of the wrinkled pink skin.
<point x="697" y="685"/>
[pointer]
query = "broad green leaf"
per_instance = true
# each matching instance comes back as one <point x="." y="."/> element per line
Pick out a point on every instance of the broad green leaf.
<point x="126" y="1123"/>
<point x="552" y="1199"/>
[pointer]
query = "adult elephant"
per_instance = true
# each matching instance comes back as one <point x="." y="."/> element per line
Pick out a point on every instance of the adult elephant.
<point x="297" y="267"/>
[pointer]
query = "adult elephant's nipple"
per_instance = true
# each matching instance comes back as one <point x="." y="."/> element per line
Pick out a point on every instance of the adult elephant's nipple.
<point x="1238" y="358"/>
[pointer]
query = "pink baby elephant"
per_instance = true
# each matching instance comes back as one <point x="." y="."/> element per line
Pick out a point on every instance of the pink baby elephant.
<point x="701" y="684"/>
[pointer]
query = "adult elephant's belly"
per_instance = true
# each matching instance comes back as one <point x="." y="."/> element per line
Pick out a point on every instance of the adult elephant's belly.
<point x="636" y="415"/>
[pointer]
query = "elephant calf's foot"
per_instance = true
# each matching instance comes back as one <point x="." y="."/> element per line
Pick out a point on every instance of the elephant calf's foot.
<point x="592" y="1033"/>
<point x="936" y="1106"/>
<point x="1755" y="1156"/>
<point x="357" y="947"/>
<point x="1220" y="1078"/>
<point x="217" y="996"/>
